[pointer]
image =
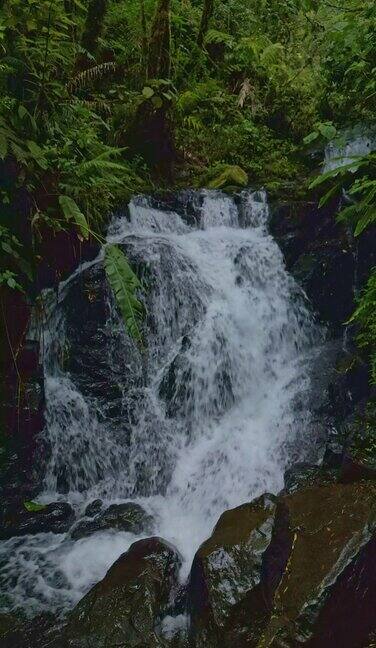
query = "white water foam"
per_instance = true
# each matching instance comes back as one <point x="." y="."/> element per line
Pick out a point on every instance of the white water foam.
<point x="348" y="148"/>
<point x="222" y="409"/>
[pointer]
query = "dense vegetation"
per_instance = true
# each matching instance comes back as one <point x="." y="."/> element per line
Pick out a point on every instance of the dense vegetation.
<point x="101" y="99"/>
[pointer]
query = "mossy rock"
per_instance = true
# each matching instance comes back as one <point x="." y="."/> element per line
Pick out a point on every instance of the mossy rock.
<point x="297" y="570"/>
<point x="225" y="177"/>
<point x="230" y="595"/>
<point x="123" y="608"/>
<point x="327" y="590"/>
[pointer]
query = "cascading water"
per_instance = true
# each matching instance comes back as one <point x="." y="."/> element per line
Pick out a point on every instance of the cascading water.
<point x="208" y="418"/>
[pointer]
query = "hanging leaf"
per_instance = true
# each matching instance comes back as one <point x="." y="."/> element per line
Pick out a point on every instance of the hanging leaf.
<point x="72" y="211"/>
<point x="124" y="284"/>
<point x="332" y="192"/>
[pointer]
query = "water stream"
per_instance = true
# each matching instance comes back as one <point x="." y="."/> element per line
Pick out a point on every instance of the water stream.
<point x="207" y="418"/>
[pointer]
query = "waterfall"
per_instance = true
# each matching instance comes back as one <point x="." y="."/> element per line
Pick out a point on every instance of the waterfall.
<point x="348" y="147"/>
<point x="207" y="418"/>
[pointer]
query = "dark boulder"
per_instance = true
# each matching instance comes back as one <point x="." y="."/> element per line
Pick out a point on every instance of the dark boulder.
<point x="93" y="508"/>
<point x="43" y="631"/>
<point x="297" y="570"/>
<point x="235" y="574"/>
<point x="128" y="517"/>
<point x="359" y="459"/>
<point x="123" y="609"/>
<point x="53" y="518"/>
<point x="327" y="276"/>
<point x="303" y="475"/>
<point x="327" y="592"/>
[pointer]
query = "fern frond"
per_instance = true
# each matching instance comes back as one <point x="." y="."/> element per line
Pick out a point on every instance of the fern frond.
<point x="245" y="91"/>
<point x="96" y="105"/>
<point x="219" y="38"/>
<point x="84" y="78"/>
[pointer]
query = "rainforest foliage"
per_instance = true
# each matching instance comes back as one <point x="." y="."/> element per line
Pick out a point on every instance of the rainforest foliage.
<point x="103" y="98"/>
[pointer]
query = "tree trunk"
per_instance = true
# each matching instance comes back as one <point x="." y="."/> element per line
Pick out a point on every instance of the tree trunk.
<point x="144" y="38"/>
<point x="207" y="13"/>
<point x="93" y="25"/>
<point x="160" y="42"/>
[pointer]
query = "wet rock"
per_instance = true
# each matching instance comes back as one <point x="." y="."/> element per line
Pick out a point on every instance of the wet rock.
<point x="235" y="574"/>
<point x="54" y="518"/>
<point x="327" y="275"/>
<point x="349" y="388"/>
<point x="319" y="254"/>
<point x="122" y="517"/>
<point x="359" y="460"/>
<point x="291" y="571"/>
<point x="354" y="469"/>
<point x="303" y="475"/>
<point x="9" y="628"/>
<point x="327" y="592"/>
<point x="93" y="508"/>
<point x="23" y="412"/>
<point x="123" y="609"/>
<point x="43" y="631"/>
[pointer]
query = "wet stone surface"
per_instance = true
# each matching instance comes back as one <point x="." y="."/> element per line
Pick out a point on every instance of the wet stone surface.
<point x="17" y="521"/>
<point x="128" y="517"/>
<point x="123" y="608"/>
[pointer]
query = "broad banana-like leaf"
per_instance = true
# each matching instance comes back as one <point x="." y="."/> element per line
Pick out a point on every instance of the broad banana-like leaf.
<point x="72" y="210"/>
<point x="124" y="284"/>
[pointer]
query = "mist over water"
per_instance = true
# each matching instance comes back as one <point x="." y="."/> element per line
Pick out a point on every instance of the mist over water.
<point x="208" y="418"/>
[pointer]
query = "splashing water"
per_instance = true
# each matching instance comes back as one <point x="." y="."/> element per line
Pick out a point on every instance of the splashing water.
<point x="208" y="419"/>
<point x="348" y="148"/>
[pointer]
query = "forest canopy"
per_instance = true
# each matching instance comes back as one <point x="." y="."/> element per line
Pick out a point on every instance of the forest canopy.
<point x="101" y="99"/>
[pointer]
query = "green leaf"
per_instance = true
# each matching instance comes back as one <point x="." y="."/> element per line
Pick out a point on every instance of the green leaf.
<point x="311" y="137"/>
<point x="332" y="192"/>
<point x="124" y="284"/>
<point x="34" y="507"/>
<point x="327" y="130"/>
<point x="34" y="149"/>
<point x="72" y="210"/>
<point x="22" y="112"/>
<point x="148" y="92"/>
<point x="368" y="218"/>
<point x="157" y="102"/>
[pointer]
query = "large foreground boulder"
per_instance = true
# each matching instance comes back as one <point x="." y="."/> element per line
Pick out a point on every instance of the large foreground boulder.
<point x="122" y="610"/>
<point x="327" y="592"/>
<point x="291" y="571"/>
<point x="235" y="574"/>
